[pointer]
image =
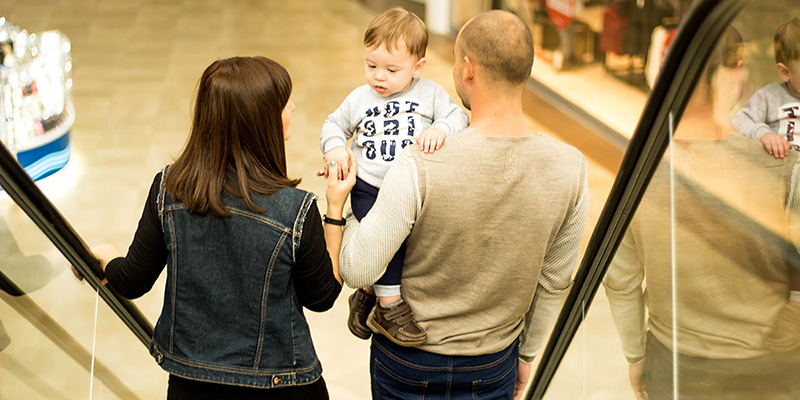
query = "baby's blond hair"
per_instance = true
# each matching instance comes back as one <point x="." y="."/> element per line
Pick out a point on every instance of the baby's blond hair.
<point x="787" y="41"/>
<point x="395" y="25"/>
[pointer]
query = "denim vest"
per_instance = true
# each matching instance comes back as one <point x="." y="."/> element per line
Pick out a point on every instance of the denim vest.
<point x="231" y="313"/>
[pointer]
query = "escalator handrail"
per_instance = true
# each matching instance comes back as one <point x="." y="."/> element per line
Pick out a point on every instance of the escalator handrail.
<point x="21" y="188"/>
<point x="682" y="67"/>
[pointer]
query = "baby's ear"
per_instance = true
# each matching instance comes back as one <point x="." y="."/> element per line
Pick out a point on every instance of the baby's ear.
<point x="418" y="66"/>
<point x="783" y="72"/>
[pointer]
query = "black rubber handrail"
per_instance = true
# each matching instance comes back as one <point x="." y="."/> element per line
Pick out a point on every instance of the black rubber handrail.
<point x="680" y="71"/>
<point x="44" y="214"/>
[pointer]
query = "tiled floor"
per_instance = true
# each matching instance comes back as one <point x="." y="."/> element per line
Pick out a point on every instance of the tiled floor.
<point x="136" y="63"/>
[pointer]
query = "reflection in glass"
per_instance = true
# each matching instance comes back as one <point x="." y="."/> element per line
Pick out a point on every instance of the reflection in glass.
<point x="703" y="271"/>
<point x="46" y="326"/>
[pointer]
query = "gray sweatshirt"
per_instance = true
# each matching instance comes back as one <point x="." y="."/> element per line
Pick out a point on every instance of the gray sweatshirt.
<point x="383" y="126"/>
<point x="772" y="109"/>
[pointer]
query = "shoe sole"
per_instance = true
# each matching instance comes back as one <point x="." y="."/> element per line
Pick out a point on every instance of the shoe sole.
<point x="354" y="330"/>
<point x="377" y="327"/>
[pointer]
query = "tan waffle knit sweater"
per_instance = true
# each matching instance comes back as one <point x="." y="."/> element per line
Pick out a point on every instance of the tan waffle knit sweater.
<point x="493" y="228"/>
<point x="736" y="225"/>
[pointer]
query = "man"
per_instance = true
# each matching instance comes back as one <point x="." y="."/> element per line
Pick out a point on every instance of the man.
<point x="493" y="222"/>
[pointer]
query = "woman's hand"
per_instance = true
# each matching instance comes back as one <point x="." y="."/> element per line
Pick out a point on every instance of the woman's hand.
<point x="104" y="253"/>
<point x="336" y="194"/>
<point x="336" y="160"/>
<point x="339" y="188"/>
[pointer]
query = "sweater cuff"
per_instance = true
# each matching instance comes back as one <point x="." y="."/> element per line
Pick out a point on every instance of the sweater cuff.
<point x="111" y="272"/>
<point x="332" y="143"/>
<point x="528" y="358"/>
<point x="761" y="131"/>
<point x="635" y="360"/>
<point x="443" y="125"/>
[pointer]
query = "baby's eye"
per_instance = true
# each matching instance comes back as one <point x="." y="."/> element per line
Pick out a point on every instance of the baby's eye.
<point x="370" y="66"/>
<point x="392" y="70"/>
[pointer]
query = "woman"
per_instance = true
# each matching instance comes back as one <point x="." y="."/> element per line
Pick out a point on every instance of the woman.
<point x="244" y="249"/>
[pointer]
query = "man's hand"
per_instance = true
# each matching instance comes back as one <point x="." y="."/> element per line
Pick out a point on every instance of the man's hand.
<point x="341" y="158"/>
<point x="523" y="376"/>
<point x="638" y="381"/>
<point x="430" y="140"/>
<point x="775" y="144"/>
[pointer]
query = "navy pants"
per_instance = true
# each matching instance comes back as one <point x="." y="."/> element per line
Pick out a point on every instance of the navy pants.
<point x="405" y="373"/>
<point x="362" y="198"/>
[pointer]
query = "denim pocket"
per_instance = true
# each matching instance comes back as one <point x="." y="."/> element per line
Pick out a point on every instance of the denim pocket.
<point x="397" y="382"/>
<point x="496" y="382"/>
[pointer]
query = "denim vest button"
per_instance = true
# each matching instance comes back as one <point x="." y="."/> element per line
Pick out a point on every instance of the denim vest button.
<point x="276" y="380"/>
<point x="159" y="358"/>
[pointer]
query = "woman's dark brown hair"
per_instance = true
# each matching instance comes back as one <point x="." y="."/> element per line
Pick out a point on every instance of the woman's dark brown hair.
<point x="236" y="142"/>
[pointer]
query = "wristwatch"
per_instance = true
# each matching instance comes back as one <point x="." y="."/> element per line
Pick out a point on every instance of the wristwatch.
<point x="339" y="222"/>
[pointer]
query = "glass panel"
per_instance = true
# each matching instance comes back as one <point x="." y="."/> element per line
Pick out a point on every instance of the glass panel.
<point x="697" y="298"/>
<point x="700" y="285"/>
<point x="47" y="326"/>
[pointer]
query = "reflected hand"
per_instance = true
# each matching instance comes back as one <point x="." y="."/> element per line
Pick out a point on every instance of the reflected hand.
<point x="775" y="144"/>
<point x="638" y="381"/>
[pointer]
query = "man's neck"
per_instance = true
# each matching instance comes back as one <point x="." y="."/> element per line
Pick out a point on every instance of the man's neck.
<point x="499" y="116"/>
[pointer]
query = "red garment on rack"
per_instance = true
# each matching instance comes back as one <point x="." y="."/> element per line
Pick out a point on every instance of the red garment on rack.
<point x="561" y="12"/>
<point x="614" y="25"/>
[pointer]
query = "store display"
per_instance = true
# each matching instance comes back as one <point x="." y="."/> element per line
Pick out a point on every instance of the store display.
<point x="36" y="110"/>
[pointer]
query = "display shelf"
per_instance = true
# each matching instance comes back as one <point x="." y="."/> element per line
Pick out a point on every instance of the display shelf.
<point x="36" y="110"/>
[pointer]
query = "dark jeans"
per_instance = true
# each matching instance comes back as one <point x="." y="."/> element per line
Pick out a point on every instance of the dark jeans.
<point x="406" y="373"/>
<point x="362" y="198"/>
<point x="775" y="376"/>
<point x="188" y="389"/>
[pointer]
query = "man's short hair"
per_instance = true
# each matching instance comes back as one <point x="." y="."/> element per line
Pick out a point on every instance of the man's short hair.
<point x="787" y="41"/>
<point x="500" y="43"/>
<point x="395" y="25"/>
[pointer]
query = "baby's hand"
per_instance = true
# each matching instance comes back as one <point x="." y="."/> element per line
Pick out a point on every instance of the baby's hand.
<point x="341" y="158"/>
<point x="775" y="144"/>
<point x="431" y="139"/>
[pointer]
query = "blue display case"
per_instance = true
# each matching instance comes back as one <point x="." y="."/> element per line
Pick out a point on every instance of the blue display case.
<point x="36" y="110"/>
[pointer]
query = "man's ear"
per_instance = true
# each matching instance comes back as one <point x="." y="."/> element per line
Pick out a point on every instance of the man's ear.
<point x="783" y="72"/>
<point x="469" y="69"/>
<point x="418" y="66"/>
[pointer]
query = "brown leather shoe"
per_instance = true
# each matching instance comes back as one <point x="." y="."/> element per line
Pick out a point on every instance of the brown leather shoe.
<point x="361" y="304"/>
<point x="785" y="335"/>
<point x="398" y="325"/>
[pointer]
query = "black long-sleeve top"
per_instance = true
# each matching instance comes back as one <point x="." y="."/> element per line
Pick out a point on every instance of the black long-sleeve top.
<point x="134" y="275"/>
